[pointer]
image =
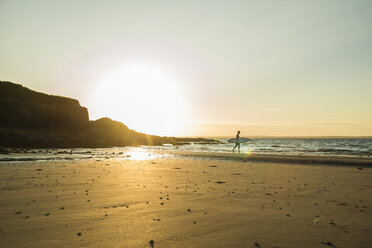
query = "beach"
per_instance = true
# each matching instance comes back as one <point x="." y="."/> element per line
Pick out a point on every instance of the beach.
<point x="186" y="201"/>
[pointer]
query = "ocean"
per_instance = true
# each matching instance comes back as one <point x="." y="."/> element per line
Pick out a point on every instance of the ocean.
<point x="291" y="146"/>
<point x="354" y="147"/>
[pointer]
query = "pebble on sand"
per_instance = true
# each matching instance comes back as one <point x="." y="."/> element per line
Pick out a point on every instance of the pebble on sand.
<point x="328" y="243"/>
<point x="152" y="243"/>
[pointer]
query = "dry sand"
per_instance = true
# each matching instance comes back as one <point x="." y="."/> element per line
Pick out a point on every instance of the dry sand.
<point x="184" y="202"/>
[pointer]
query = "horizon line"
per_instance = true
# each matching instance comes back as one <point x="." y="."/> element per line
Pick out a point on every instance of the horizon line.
<point x="277" y="136"/>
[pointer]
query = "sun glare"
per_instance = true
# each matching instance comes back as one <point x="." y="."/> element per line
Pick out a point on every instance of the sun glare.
<point x="144" y="98"/>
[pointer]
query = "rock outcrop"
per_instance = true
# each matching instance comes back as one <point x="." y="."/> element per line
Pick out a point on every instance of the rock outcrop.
<point x="33" y="119"/>
<point x="113" y="133"/>
<point x="23" y="108"/>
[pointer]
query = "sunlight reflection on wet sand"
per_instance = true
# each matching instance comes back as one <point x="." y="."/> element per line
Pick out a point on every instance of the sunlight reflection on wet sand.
<point x="140" y="154"/>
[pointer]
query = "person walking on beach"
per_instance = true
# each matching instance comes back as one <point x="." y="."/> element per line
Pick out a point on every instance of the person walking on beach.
<point x="237" y="144"/>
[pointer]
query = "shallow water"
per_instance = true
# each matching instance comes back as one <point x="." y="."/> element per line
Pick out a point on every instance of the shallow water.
<point x="293" y="146"/>
<point x="287" y="146"/>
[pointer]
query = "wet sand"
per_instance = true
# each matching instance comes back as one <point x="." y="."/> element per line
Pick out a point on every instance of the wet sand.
<point x="184" y="202"/>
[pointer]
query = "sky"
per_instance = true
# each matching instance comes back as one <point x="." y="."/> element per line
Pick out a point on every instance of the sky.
<point x="199" y="68"/>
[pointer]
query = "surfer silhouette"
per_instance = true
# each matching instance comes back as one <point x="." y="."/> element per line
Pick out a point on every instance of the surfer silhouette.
<point x="237" y="144"/>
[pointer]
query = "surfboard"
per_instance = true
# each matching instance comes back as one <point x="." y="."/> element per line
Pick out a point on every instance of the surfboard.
<point x="241" y="140"/>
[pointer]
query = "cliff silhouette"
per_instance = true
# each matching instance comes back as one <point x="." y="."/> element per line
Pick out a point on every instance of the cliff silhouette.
<point x="27" y="109"/>
<point x="33" y="119"/>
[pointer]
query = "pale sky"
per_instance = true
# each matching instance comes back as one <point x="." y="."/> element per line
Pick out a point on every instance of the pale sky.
<point x="199" y="68"/>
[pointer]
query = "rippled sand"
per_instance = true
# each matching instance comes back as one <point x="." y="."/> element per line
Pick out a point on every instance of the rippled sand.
<point x="184" y="202"/>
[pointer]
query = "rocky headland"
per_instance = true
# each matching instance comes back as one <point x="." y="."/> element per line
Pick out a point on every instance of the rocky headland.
<point x="33" y="119"/>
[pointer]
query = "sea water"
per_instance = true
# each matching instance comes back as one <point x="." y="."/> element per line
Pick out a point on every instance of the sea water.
<point x="290" y="146"/>
<point x="356" y="147"/>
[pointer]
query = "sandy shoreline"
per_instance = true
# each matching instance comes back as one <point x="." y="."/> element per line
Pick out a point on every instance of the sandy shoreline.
<point x="71" y="154"/>
<point x="279" y="158"/>
<point x="184" y="202"/>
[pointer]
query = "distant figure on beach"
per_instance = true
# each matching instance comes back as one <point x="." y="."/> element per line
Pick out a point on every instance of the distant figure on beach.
<point x="237" y="144"/>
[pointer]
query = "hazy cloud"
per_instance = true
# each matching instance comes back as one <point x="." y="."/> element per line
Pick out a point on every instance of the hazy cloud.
<point x="338" y="124"/>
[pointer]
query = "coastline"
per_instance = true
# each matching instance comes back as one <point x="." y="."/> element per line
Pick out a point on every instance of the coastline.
<point x="70" y="154"/>
<point x="280" y="158"/>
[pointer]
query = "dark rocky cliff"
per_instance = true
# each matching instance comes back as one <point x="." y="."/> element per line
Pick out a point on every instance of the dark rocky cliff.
<point x="37" y="120"/>
<point x="27" y="109"/>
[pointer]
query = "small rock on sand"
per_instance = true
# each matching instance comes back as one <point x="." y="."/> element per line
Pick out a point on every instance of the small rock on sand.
<point x="329" y="244"/>
<point x="152" y="243"/>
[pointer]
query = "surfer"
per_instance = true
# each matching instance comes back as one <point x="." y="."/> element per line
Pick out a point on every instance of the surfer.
<point x="237" y="144"/>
